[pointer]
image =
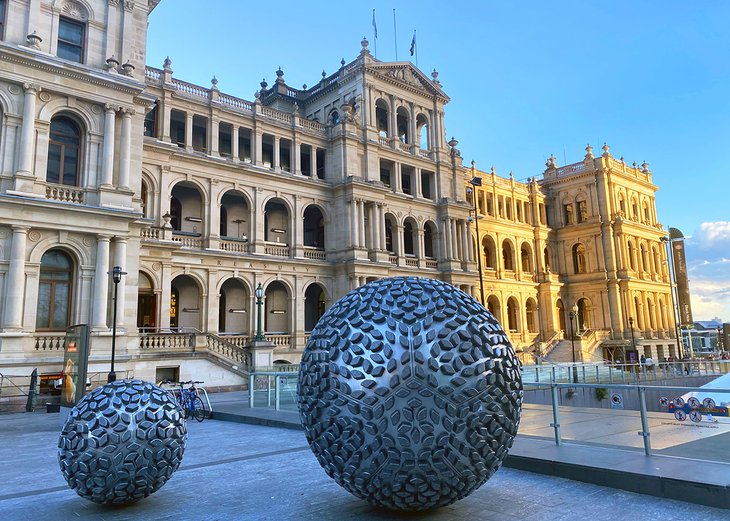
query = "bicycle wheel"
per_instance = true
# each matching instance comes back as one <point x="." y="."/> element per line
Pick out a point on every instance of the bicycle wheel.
<point x="184" y="404"/>
<point x="198" y="409"/>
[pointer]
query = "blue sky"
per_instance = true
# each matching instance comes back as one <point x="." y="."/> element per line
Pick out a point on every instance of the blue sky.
<point x="527" y="79"/>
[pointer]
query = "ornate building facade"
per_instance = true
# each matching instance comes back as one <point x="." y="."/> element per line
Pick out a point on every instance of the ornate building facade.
<point x="202" y="197"/>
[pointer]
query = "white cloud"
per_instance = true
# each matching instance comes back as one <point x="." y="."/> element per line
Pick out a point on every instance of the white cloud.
<point x="712" y="235"/>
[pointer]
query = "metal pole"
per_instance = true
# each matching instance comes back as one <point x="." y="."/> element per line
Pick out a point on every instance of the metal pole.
<point x="572" y="346"/>
<point x="277" y="381"/>
<point x="479" y="244"/>
<point x="112" y="375"/>
<point x="251" y="382"/>
<point x="556" y="414"/>
<point x="644" y="421"/>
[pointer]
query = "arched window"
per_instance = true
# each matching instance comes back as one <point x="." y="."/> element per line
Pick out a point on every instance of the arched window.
<point x="647" y="215"/>
<point x="531" y="315"/>
<point x="546" y="257"/>
<point x="579" y="258"/>
<point x="428" y="239"/>
<point x="408" y="242"/>
<point x="512" y="315"/>
<point x="507" y="256"/>
<point x="175" y="213"/>
<point x="381" y="118"/>
<point x="334" y="117"/>
<point x="526" y="258"/>
<point x="54" y="291"/>
<point x="634" y="209"/>
<point x="642" y="253"/>
<point x="490" y="259"/>
<point x="144" y="194"/>
<point x="389" y="246"/>
<point x="64" y="146"/>
<point x="422" y="129"/>
<point x="622" y="204"/>
<point x="582" y="206"/>
<point x="630" y="251"/>
<point x="402" y="122"/>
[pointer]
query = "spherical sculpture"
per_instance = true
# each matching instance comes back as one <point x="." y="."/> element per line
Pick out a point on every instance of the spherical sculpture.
<point x="122" y="442"/>
<point x="409" y="393"/>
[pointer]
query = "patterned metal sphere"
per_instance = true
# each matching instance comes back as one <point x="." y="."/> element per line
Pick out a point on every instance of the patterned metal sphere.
<point x="409" y="393"/>
<point x="122" y="442"/>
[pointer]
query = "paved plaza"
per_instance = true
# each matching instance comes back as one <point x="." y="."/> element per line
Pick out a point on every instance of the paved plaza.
<point x="251" y="472"/>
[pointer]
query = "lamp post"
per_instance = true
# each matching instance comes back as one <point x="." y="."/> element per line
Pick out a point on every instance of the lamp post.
<point x="477" y="181"/>
<point x="572" y="314"/>
<point x="633" y="341"/>
<point x="259" y="301"/>
<point x="672" y="290"/>
<point x="116" y="278"/>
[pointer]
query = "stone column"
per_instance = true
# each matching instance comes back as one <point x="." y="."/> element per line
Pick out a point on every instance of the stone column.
<point x="107" y="165"/>
<point x="398" y="184"/>
<point x="448" y="253"/>
<point x="257" y="147"/>
<point x="27" y="131"/>
<point x="361" y="222"/>
<point x="393" y="130"/>
<point x="354" y="228"/>
<point x="188" y="132"/>
<point x="297" y="151"/>
<point x="213" y="137"/>
<point x="101" y="283"/>
<point x="234" y="144"/>
<point x="376" y="227"/>
<point x="418" y="191"/>
<point x="125" y="152"/>
<point x="165" y="296"/>
<point x="120" y="259"/>
<point x="381" y="226"/>
<point x="313" y="161"/>
<point x="15" y="285"/>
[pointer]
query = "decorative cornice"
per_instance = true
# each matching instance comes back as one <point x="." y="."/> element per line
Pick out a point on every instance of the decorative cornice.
<point x="35" y="60"/>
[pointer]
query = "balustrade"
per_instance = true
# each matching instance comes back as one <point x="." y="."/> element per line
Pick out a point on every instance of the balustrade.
<point x="167" y="341"/>
<point x="50" y="342"/>
<point x="64" y="193"/>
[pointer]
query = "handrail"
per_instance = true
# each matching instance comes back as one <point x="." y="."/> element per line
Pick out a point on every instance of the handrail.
<point x="229" y="350"/>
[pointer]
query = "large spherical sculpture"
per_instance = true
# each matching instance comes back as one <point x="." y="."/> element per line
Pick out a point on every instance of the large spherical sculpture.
<point x="122" y="442"/>
<point x="409" y="393"/>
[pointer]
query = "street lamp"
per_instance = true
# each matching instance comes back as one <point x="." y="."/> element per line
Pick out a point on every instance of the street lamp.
<point x="259" y="301"/>
<point x="477" y="181"/>
<point x="116" y="278"/>
<point x="633" y="342"/>
<point x="572" y="314"/>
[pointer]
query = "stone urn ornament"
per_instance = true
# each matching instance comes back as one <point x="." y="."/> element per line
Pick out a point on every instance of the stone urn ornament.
<point x="409" y="393"/>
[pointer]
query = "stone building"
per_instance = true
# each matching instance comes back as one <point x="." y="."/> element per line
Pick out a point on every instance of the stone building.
<point x="202" y="197"/>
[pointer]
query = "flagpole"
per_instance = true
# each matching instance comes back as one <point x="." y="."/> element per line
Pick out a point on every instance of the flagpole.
<point x="415" y="46"/>
<point x="395" y="34"/>
<point x="375" y="34"/>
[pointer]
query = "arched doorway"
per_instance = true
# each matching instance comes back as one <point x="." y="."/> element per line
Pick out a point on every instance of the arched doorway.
<point x="513" y="315"/>
<point x="233" y="307"/>
<point x="560" y="312"/>
<point x="185" y="306"/>
<point x="314" y="306"/>
<point x="276" y="318"/>
<point x="146" y="303"/>
<point x="584" y="319"/>
<point x="313" y="227"/>
<point x="494" y="307"/>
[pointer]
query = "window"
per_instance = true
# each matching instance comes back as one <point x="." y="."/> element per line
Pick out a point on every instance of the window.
<point x="63" y="152"/>
<point x="54" y="291"/>
<point x="568" y="213"/>
<point x="71" y="40"/>
<point x="2" y="19"/>
<point x="579" y="258"/>
<point x="507" y="257"/>
<point x="582" y="211"/>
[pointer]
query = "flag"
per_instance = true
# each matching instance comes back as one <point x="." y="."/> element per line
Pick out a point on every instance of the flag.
<point x="413" y="43"/>
<point x="375" y="26"/>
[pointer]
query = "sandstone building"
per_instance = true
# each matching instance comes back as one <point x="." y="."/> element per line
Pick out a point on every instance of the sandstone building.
<point x="201" y="197"/>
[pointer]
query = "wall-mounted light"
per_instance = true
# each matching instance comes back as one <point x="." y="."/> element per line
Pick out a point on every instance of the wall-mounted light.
<point x="278" y="230"/>
<point x="278" y="311"/>
<point x="236" y="310"/>
<point x="194" y="219"/>
<point x="192" y="310"/>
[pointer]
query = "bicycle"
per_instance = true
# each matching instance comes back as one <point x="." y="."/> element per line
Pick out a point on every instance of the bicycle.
<point x="187" y="398"/>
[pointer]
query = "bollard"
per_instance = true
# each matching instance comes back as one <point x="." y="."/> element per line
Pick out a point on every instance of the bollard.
<point x="556" y="415"/>
<point x="30" y="405"/>
<point x="644" y="421"/>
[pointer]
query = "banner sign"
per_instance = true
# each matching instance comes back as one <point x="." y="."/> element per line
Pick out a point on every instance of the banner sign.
<point x="75" y="362"/>
<point x="680" y="277"/>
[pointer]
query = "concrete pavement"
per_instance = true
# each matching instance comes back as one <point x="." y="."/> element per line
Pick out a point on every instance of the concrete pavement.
<point x="251" y="472"/>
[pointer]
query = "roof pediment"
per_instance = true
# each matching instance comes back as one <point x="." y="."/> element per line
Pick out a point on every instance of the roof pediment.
<point x="404" y="74"/>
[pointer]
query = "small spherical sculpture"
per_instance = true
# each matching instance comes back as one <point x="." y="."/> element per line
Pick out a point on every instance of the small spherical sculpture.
<point x="409" y="393"/>
<point x="122" y="442"/>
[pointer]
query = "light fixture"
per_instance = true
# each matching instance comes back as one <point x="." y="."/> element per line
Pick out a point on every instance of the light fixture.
<point x="278" y="311"/>
<point x="192" y="310"/>
<point x="278" y="230"/>
<point x="194" y="219"/>
<point x="259" y="291"/>
<point x="236" y="310"/>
